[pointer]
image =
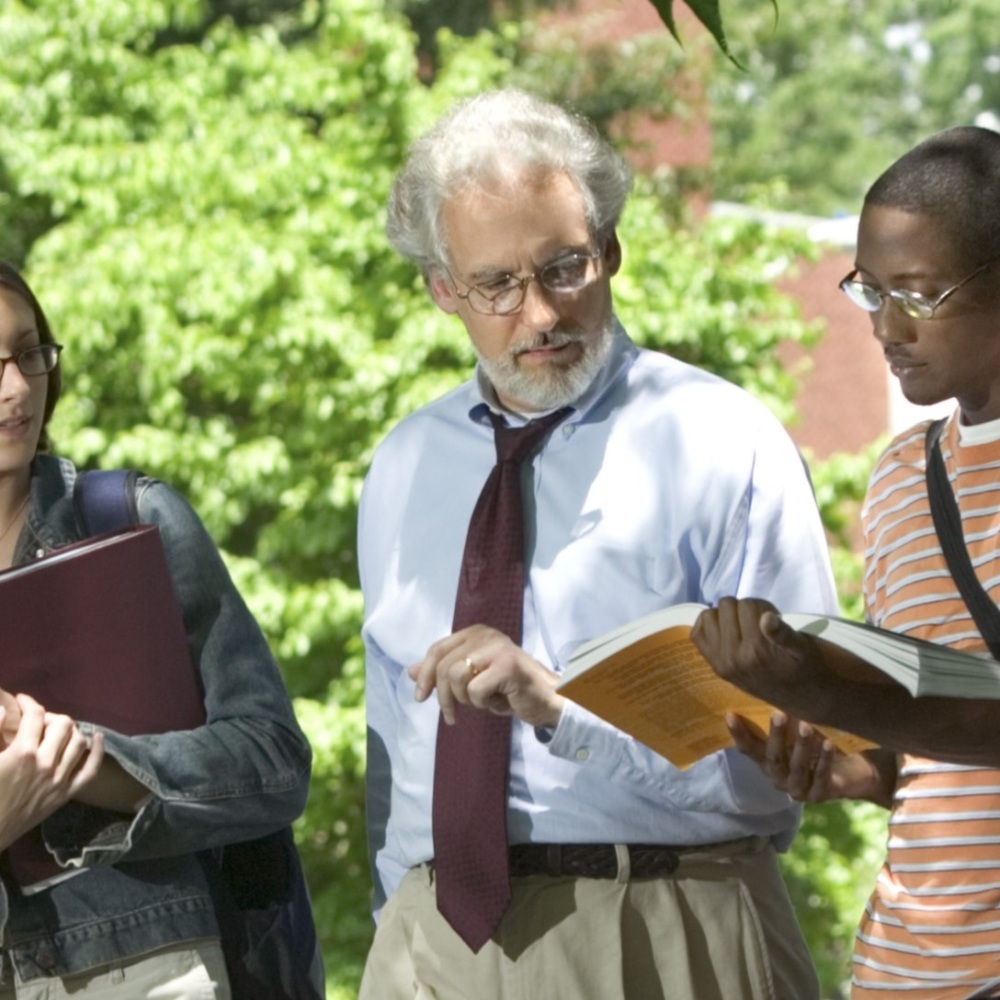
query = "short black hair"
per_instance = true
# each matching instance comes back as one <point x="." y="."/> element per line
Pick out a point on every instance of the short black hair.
<point x="953" y="176"/>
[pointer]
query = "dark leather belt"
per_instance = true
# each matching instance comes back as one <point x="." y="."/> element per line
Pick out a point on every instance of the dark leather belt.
<point x="593" y="860"/>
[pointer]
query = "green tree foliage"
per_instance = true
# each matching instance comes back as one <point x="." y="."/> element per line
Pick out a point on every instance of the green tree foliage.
<point x="708" y="12"/>
<point x="196" y="190"/>
<point x="840" y="484"/>
<point x="829" y="873"/>
<point x="468" y="17"/>
<point x="833" y="93"/>
<point x="832" y="864"/>
<point x="203" y="221"/>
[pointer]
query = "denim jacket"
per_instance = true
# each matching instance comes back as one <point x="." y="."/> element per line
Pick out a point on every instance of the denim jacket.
<point x="244" y="774"/>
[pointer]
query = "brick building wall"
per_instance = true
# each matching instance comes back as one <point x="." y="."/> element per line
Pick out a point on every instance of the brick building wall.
<point x="843" y="401"/>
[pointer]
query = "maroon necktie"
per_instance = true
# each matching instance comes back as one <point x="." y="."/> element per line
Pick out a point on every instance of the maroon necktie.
<point x="471" y="863"/>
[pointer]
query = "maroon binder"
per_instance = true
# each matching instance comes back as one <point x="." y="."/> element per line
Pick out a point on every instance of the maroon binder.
<point x="94" y="631"/>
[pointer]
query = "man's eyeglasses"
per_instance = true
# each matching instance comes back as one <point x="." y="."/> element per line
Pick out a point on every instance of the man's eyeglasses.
<point x="38" y="360"/>
<point x="504" y="294"/>
<point x="913" y="304"/>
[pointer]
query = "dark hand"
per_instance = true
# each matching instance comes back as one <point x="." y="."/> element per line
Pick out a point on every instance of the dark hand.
<point x="799" y="760"/>
<point x="748" y="644"/>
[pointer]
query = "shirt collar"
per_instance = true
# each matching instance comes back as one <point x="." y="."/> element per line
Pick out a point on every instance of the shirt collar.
<point x="973" y="434"/>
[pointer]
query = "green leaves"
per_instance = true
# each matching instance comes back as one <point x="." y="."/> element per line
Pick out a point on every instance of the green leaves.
<point x="707" y="293"/>
<point x="196" y="189"/>
<point x="203" y="224"/>
<point x="708" y="12"/>
<point x="833" y="93"/>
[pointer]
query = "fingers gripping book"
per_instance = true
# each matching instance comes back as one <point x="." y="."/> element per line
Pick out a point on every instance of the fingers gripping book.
<point x="648" y="679"/>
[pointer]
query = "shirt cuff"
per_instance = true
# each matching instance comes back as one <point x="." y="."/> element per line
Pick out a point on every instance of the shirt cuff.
<point x="82" y="836"/>
<point x="583" y="737"/>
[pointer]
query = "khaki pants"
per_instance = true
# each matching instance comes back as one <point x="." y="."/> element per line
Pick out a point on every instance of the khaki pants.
<point x="719" y="928"/>
<point x="195" y="970"/>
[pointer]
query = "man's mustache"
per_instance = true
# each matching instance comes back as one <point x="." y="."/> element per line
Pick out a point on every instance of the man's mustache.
<point x="554" y="338"/>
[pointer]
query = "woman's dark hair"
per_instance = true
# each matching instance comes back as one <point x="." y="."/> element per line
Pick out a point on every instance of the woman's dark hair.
<point x="10" y="278"/>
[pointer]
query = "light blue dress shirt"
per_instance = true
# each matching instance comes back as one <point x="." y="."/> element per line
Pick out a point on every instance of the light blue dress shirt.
<point x="665" y="485"/>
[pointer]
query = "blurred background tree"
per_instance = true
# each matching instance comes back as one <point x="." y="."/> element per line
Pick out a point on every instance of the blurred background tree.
<point x="196" y="190"/>
<point x="834" y="93"/>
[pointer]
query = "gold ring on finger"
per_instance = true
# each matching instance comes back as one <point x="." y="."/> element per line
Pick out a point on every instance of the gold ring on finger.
<point x="471" y="664"/>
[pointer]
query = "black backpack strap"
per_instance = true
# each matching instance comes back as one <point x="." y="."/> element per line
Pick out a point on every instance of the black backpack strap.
<point x="948" y="524"/>
<point x="105" y="500"/>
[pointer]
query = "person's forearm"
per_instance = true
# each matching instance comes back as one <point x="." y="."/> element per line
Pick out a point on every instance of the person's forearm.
<point x="815" y="680"/>
<point x="114" y="789"/>
<point x="960" y="730"/>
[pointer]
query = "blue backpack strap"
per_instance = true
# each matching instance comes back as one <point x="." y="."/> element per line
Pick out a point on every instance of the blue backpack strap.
<point x="105" y="500"/>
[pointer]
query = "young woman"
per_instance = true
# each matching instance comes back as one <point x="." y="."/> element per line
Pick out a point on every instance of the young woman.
<point x="129" y="915"/>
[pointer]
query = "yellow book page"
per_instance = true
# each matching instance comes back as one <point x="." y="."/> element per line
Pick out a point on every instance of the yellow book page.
<point x="664" y="693"/>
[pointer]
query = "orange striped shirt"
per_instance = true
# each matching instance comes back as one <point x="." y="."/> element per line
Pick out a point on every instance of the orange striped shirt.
<point x="932" y="924"/>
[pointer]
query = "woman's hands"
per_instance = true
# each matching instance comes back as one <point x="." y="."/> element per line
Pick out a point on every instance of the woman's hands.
<point x="44" y="762"/>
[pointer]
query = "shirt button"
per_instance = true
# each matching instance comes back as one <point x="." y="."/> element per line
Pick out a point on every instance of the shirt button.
<point x="583" y="754"/>
<point x="568" y="430"/>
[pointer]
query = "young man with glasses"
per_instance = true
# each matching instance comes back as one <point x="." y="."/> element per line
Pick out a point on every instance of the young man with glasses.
<point x="657" y="483"/>
<point x="927" y="258"/>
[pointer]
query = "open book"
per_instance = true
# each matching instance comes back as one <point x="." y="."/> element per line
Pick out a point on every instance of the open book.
<point x="648" y="679"/>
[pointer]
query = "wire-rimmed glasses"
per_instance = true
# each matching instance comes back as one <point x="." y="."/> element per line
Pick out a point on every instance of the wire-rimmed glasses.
<point x="913" y="304"/>
<point x="504" y="294"/>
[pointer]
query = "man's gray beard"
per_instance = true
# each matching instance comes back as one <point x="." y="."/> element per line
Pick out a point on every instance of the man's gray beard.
<point x="555" y="386"/>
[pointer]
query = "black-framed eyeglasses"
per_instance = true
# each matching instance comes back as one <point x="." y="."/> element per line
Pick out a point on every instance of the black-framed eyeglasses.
<point x="37" y="360"/>
<point x="504" y="295"/>
<point x="913" y="304"/>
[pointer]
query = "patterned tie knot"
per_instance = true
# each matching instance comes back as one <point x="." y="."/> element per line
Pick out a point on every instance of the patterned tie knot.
<point x="515" y="444"/>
